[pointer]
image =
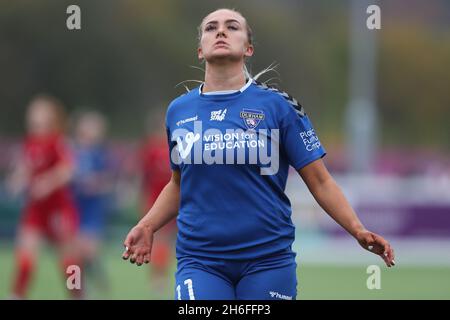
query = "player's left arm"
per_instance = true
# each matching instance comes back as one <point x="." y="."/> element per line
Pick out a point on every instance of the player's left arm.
<point x="330" y="197"/>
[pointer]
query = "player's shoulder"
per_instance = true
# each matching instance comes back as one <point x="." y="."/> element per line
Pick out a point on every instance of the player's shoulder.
<point x="181" y="106"/>
<point x="283" y="100"/>
<point x="183" y="99"/>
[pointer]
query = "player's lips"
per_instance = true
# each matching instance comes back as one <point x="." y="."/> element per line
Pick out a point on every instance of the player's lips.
<point x="221" y="43"/>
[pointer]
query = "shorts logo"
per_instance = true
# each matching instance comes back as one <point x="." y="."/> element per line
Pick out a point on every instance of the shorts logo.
<point x="251" y="117"/>
<point x="278" y="295"/>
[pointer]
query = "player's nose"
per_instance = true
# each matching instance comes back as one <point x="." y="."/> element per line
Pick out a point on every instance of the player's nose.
<point x="221" y="31"/>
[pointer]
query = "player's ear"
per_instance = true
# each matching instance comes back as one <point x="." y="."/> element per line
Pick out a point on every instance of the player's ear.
<point x="200" y="54"/>
<point x="249" y="50"/>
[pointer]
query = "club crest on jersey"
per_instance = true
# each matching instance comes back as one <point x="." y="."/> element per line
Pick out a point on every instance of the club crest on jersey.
<point x="252" y="117"/>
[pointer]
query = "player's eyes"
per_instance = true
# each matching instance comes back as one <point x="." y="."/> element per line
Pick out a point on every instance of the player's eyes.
<point x="213" y="27"/>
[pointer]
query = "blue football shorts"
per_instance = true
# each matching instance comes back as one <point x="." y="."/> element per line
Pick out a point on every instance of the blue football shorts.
<point x="267" y="278"/>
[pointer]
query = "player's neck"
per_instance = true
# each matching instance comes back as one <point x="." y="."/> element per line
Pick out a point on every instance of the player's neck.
<point x="223" y="77"/>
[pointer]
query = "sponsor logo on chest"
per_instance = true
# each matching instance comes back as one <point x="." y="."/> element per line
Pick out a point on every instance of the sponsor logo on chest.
<point x="218" y="115"/>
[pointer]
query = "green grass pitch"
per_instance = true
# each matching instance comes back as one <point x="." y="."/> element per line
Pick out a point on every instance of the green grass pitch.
<point x="126" y="281"/>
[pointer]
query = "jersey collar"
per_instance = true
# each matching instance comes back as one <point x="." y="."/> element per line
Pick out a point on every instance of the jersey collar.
<point x="224" y="92"/>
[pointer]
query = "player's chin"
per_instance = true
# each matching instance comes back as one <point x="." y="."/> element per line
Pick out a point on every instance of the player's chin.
<point x="223" y="55"/>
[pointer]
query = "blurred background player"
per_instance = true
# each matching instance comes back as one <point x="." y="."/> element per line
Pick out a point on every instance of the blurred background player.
<point x="43" y="173"/>
<point x="92" y="187"/>
<point x="154" y="158"/>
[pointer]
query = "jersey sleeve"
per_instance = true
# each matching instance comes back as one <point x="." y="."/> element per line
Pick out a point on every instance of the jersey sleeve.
<point x="172" y="145"/>
<point x="298" y="139"/>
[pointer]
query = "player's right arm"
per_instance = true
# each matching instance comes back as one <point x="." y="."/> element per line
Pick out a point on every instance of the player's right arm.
<point x="138" y="243"/>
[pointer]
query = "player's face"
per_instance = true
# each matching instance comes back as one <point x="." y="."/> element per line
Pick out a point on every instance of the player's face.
<point x="41" y="119"/>
<point x="90" y="130"/>
<point x="224" y="37"/>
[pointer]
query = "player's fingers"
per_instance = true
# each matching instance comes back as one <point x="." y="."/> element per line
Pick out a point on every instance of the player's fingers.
<point x="386" y="247"/>
<point x="126" y="254"/>
<point x="128" y="244"/>
<point x="392" y="257"/>
<point x="128" y="241"/>
<point x="139" y="259"/>
<point x="386" y="255"/>
<point x="133" y="258"/>
<point x="147" y="258"/>
<point x="386" y="250"/>
<point x="385" y="259"/>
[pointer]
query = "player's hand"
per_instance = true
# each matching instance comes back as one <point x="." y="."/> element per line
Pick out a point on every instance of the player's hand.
<point x="138" y="245"/>
<point x="376" y="244"/>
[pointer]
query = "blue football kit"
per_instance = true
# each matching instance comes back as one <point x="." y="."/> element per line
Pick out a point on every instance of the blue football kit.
<point x="92" y="205"/>
<point x="233" y="150"/>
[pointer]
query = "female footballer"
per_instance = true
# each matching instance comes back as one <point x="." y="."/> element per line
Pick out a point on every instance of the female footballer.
<point x="43" y="173"/>
<point x="234" y="219"/>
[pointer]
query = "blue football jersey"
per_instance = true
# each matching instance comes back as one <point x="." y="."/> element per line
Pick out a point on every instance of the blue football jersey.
<point x="233" y="151"/>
